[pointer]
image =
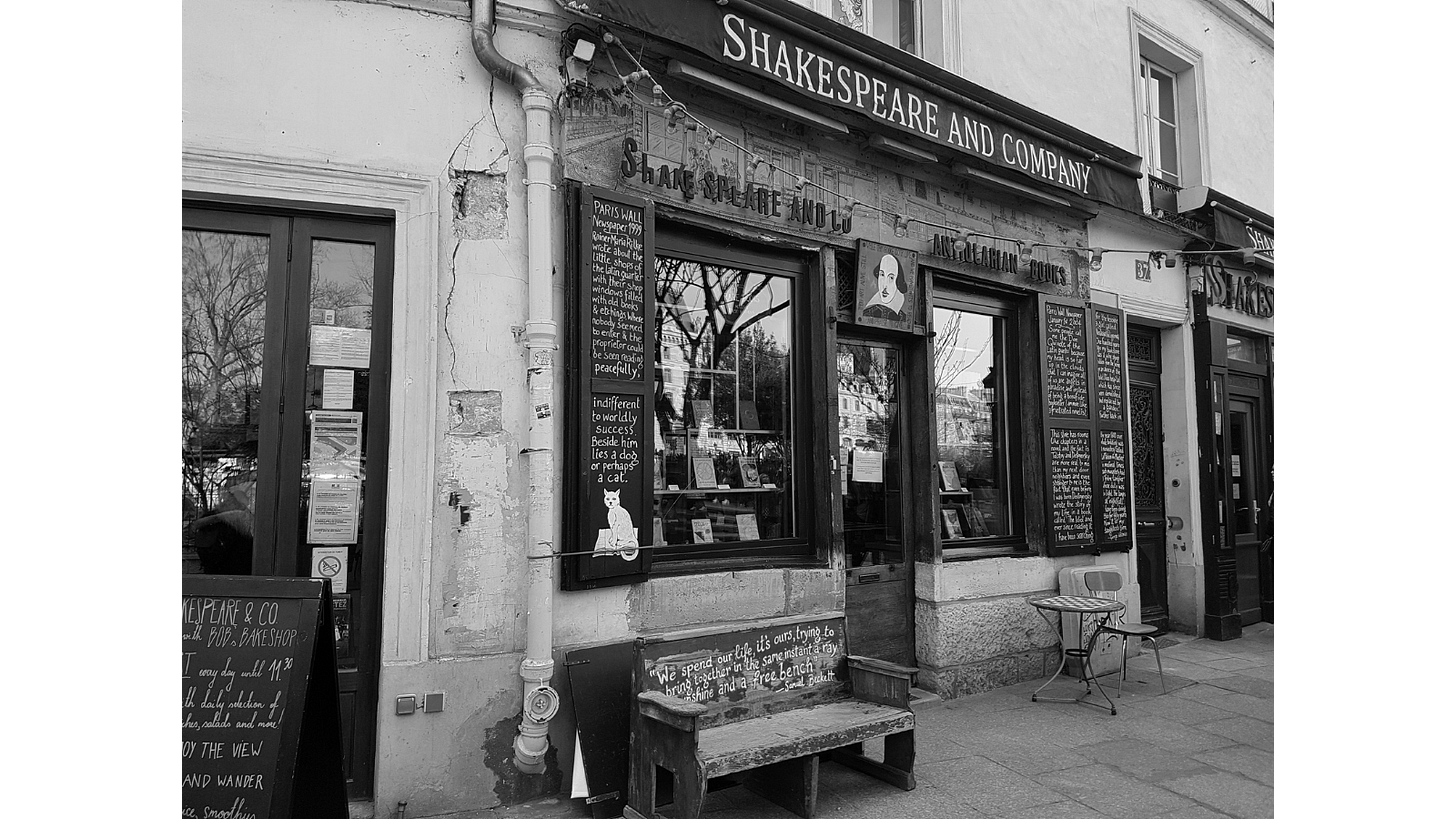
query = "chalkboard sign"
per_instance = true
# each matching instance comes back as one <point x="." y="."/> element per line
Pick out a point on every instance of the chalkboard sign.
<point x="745" y="666"/>
<point x="1107" y="330"/>
<point x="1066" y="360"/>
<point x="1112" y="467"/>
<point x="617" y="291"/>
<point x="1071" y="477"/>
<point x="260" y="707"/>
<point x="608" y="509"/>
<point x="1088" y="487"/>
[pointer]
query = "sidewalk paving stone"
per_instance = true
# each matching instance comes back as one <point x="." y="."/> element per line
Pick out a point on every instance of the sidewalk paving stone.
<point x="1243" y="730"/>
<point x="1255" y="763"/>
<point x="1110" y="791"/>
<point x="1227" y="792"/>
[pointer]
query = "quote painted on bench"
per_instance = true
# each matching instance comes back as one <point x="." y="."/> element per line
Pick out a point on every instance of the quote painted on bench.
<point x="733" y="666"/>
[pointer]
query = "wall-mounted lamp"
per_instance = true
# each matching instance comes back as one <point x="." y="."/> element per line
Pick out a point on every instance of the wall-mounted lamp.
<point x="1024" y="250"/>
<point x="1096" y="262"/>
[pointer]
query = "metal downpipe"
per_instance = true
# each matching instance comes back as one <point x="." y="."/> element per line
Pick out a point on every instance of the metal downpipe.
<point x="540" y="700"/>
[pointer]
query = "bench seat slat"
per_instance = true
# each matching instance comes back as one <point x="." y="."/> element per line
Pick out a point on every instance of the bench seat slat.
<point x="761" y="741"/>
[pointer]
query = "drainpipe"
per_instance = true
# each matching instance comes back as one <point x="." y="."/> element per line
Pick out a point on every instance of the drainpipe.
<point x="540" y="699"/>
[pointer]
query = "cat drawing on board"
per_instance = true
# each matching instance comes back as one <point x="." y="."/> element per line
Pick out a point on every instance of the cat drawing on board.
<point x="623" y="540"/>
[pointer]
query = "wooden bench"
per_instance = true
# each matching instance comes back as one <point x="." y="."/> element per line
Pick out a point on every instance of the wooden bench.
<point x="764" y="701"/>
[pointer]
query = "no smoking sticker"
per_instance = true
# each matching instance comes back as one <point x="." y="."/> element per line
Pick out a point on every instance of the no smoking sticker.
<point x="331" y="563"/>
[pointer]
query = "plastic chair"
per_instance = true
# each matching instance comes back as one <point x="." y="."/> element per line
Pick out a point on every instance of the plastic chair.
<point x="1107" y="584"/>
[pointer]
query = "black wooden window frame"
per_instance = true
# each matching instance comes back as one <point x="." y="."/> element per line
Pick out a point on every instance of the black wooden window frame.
<point x="952" y="296"/>
<point x="705" y="247"/>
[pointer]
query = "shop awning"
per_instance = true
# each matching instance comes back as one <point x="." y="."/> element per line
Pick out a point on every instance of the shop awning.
<point x="878" y="88"/>
<point x="1235" y="224"/>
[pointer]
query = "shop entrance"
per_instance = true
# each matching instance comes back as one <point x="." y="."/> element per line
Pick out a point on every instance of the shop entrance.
<point x="878" y="586"/>
<point x="1145" y="407"/>
<point x="1249" y="491"/>
<point x="285" y="391"/>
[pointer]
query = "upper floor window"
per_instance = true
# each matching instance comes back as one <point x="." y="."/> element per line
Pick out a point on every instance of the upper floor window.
<point x="1158" y="99"/>
<point x="897" y="22"/>
<point x="1169" y="113"/>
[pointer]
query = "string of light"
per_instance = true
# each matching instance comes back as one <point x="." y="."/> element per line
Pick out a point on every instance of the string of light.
<point x="675" y="111"/>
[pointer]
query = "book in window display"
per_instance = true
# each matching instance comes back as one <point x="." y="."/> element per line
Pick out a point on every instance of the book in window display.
<point x="747" y="526"/>
<point x="702" y="530"/>
<point x="951" y="523"/>
<point x="748" y="473"/>
<point x="702" y="412"/>
<point x="948" y="477"/>
<point x="704" y="475"/>
<point x="748" y="415"/>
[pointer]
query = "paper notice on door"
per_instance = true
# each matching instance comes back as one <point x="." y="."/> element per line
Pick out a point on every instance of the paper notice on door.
<point x="333" y="511"/>
<point x="338" y="346"/>
<point x="338" y="389"/>
<point x="868" y="466"/>
<point x="1236" y="466"/>
<point x="335" y="443"/>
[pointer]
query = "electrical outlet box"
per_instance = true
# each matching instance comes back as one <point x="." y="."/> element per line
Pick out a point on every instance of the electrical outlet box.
<point x="434" y="703"/>
<point x="404" y="705"/>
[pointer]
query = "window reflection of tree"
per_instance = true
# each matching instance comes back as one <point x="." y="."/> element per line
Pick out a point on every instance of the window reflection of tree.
<point x="709" y="317"/>
<point x="964" y="429"/>
<point x="224" y="278"/>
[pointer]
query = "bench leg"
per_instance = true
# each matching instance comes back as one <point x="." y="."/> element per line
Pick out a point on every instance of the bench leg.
<point x="689" y="791"/>
<point x="792" y="784"/>
<point x="898" y="768"/>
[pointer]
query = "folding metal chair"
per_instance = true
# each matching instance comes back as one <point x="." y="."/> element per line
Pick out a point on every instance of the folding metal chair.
<point x="1107" y="584"/>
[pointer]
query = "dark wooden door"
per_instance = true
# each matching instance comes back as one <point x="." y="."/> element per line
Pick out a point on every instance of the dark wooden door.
<point x="285" y="420"/>
<point x="879" y="587"/>
<point x="1146" y="416"/>
<point x="1248" y="470"/>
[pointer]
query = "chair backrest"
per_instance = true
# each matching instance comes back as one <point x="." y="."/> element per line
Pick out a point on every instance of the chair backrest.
<point x="1102" y="581"/>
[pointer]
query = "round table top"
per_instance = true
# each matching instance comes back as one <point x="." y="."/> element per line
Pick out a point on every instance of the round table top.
<point x="1076" y="603"/>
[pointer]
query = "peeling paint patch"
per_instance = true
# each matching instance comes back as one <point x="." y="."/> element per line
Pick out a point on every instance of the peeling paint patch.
<point x="475" y="412"/>
<point x="480" y="204"/>
<point x="511" y="786"/>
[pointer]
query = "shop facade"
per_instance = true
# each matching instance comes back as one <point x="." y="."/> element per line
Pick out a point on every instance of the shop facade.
<point x="560" y="363"/>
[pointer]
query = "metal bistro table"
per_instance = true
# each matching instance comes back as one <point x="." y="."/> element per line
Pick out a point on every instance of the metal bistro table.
<point x="1101" y="609"/>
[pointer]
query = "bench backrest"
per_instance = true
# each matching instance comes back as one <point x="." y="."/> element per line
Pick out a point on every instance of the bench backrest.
<point x="747" y="672"/>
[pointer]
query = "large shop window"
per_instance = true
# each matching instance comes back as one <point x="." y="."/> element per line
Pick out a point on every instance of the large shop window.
<point x="974" y="434"/>
<point x="686" y="353"/>
<point x="723" y="458"/>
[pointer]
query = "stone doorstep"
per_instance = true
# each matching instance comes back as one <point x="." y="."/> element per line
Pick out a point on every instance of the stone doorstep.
<point x="921" y="700"/>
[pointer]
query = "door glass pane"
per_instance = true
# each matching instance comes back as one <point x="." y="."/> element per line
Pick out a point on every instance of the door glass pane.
<point x="336" y="400"/>
<point x="969" y="423"/>
<point x="224" y="278"/>
<point x="869" y="453"/>
<point x="1241" y="470"/>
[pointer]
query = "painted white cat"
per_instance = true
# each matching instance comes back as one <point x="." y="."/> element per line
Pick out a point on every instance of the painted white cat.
<point x="621" y="535"/>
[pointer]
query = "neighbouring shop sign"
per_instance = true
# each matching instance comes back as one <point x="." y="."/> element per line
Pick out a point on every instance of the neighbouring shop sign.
<point x="1084" y="354"/>
<point x="1242" y="291"/>
<point x="846" y="80"/>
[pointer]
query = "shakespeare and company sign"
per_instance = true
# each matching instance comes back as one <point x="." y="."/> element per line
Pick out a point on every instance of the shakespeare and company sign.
<point x="842" y="78"/>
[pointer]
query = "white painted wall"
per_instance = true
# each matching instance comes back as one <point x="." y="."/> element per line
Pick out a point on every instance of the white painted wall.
<point x="1075" y="60"/>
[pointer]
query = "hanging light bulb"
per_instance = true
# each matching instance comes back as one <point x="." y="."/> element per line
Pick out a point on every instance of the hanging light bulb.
<point x="711" y="138"/>
<point x="1096" y="263"/>
<point x="961" y="242"/>
<point x="657" y="95"/>
<point x="800" y="182"/>
<point x="1024" y="250"/>
<point x="902" y="226"/>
